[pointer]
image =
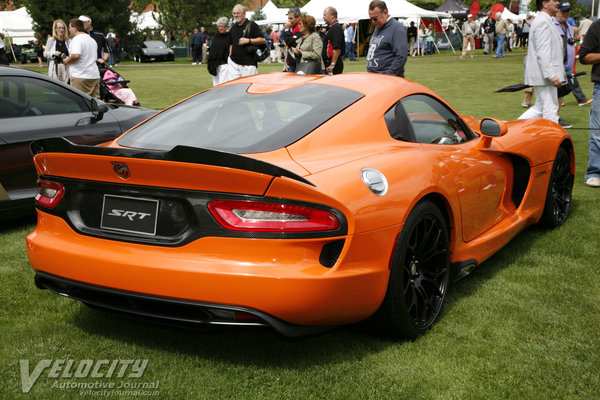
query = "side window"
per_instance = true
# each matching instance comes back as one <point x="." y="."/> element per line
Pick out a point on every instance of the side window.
<point x="22" y="97"/>
<point x="398" y="124"/>
<point x="432" y="122"/>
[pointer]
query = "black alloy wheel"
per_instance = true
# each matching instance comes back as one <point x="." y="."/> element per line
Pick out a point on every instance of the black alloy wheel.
<point x="560" y="188"/>
<point x="420" y="274"/>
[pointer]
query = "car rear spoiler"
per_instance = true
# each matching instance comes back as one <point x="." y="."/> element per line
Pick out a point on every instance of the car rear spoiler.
<point x="184" y="154"/>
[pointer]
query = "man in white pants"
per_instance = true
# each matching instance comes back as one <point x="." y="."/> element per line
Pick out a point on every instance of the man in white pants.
<point x="544" y="68"/>
<point x="243" y="33"/>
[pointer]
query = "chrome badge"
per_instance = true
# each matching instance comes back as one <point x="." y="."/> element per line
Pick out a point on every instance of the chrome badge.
<point x="121" y="170"/>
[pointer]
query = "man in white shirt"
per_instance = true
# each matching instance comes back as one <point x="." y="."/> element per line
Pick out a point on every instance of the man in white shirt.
<point x="82" y="60"/>
<point x="469" y="29"/>
<point x="544" y="68"/>
<point x="3" y="55"/>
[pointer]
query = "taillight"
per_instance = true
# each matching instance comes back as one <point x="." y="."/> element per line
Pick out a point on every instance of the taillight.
<point x="271" y="217"/>
<point x="49" y="193"/>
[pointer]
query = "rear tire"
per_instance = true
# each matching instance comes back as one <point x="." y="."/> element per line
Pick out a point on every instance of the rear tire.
<point x="420" y="274"/>
<point x="558" y="196"/>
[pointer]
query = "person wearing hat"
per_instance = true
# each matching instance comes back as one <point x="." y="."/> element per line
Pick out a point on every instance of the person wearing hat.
<point x="544" y="63"/>
<point x="568" y="37"/>
<point x="103" y="50"/>
<point x="469" y="30"/>
<point x="590" y="54"/>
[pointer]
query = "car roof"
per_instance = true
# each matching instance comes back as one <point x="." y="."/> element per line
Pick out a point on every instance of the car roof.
<point x="8" y="70"/>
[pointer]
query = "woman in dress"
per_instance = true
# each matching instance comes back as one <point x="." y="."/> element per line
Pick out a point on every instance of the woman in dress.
<point x="310" y="46"/>
<point x="57" y="46"/>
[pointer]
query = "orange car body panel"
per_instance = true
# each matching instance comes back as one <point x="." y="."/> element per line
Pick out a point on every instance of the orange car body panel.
<point x="283" y="277"/>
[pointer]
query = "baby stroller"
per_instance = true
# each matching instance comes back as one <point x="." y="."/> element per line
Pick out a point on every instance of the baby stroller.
<point x="113" y="89"/>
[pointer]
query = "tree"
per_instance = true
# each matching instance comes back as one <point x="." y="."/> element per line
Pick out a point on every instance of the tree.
<point x="258" y="15"/>
<point x="105" y="14"/>
<point x="6" y="3"/>
<point x="289" y="3"/>
<point x="179" y="16"/>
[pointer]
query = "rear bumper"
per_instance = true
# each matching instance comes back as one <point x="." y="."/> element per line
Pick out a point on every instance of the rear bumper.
<point x="279" y="281"/>
<point x="168" y="310"/>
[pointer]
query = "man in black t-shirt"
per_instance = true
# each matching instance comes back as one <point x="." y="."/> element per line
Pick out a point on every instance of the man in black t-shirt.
<point x="98" y="36"/>
<point x="333" y="43"/>
<point x="244" y="33"/>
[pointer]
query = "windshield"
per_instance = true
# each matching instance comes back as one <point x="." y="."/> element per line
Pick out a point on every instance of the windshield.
<point x="230" y="119"/>
<point x="155" y="44"/>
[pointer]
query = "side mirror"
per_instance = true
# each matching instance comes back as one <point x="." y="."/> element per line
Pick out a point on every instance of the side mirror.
<point x="98" y="109"/>
<point x="491" y="128"/>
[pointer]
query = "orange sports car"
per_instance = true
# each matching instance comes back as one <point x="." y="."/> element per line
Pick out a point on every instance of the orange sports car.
<point x="296" y="202"/>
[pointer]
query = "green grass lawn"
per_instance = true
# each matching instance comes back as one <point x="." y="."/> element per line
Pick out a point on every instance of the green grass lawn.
<point x="525" y="325"/>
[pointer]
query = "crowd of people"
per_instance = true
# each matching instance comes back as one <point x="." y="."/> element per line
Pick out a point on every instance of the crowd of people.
<point x="550" y="39"/>
<point x="303" y="48"/>
<point x="75" y="53"/>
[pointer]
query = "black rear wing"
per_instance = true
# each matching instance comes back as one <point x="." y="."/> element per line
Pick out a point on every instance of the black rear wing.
<point x="186" y="154"/>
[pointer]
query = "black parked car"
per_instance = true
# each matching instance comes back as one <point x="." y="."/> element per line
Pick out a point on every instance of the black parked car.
<point x="154" y="50"/>
<point x="34" y="106"/>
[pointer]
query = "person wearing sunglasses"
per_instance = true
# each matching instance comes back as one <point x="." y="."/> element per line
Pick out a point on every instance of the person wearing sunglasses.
<point x="388" y="47"/>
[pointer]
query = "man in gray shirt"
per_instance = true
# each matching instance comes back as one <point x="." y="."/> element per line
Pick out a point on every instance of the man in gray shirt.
<point x="388" y="48"/>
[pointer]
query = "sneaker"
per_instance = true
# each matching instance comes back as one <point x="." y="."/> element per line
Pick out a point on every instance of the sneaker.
<point x="564" y="123"/>
<point x="593" y="182"/>
<point x="525" y="105"/>
<point x="193" y="63"/>
<point x="583" y="103"/>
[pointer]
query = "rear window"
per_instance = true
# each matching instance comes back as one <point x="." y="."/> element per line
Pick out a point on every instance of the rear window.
<point x="230" y="119"/>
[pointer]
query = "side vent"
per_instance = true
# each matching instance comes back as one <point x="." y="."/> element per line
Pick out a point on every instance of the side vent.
<point x="331" y="252"/>
<point x="521" y="179"/>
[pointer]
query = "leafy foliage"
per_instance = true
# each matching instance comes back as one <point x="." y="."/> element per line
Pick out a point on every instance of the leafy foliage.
<point x="258" y="15"/>
<point x="181" y="16"/>
<point x="6" y="3"/>
<point x="289" y="3"/>
<point x="105" y="14"/>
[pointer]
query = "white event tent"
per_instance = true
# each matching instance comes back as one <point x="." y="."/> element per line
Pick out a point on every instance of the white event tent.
<point x="356" y="10"/>
<point x="506" y="14"/>
<point x="273" y="14"/>
<point x="147" y="20"/>
<point x="352" y="11"/>
<point x="17" y="25"/>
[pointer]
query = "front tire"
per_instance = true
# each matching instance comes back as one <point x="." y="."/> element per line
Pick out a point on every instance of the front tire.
<point x="420" y="274"/>
<point x="560" y="188"/>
